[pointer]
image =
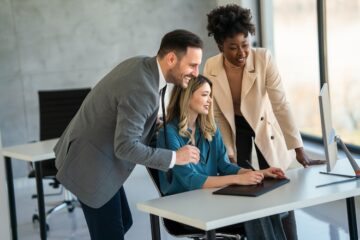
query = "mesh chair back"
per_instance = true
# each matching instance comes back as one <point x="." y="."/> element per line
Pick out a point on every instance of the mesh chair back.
<point x="57" y="108"/>
<point x="174" y="228"/>
<point x="154" y="175"/>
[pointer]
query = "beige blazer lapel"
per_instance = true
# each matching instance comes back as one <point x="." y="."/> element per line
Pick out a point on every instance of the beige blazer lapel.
<point x="222" y="92"/>
<point x="249" y="76"/>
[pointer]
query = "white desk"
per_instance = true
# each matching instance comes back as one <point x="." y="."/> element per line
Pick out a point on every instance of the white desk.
<point x="32" y="152"/>
<point x="203" y="210"/>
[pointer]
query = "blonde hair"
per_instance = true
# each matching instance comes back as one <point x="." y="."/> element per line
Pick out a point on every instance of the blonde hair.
<point x="179" y="105"/>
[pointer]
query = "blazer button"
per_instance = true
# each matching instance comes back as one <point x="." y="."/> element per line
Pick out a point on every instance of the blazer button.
<point x="262" y="118"/>
<point x="272" y="137"/>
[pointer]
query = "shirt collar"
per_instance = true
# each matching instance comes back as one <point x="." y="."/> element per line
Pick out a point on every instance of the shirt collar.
<point x="162" y="81"/>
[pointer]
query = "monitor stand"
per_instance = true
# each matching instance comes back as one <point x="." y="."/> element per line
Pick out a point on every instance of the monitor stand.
<point x="352" y="161"/>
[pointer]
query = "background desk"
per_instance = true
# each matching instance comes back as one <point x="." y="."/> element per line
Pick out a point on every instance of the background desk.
<point x="203" y="210"/>
<point x="32" y="152"/>
<point x="4" y="204"/>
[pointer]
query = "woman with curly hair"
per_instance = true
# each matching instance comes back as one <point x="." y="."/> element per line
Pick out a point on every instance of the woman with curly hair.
<point x="190" y="121"/>
<point x="249" y="97"/>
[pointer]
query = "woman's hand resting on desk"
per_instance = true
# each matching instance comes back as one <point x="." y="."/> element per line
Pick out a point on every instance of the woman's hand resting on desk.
<point x="274" y="172"/>
<point x="248" y="177"/>
<point x="304" y="160"/>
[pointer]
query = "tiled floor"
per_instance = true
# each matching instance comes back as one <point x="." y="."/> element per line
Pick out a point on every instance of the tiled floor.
<point x="322" y="222"/>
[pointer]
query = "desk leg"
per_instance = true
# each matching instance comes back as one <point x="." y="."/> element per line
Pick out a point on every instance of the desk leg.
<point x="155" y="227"/>
<point x="211" y="235"/>
<point x="40" y="198"/>
<point x="11" y="195"/>
<point x="351" y="212"/>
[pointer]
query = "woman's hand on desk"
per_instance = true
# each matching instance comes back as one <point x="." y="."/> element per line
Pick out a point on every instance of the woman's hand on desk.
<point x="248" y="177"/>
<point x="274" y="172"/>
<point x="304" y="160"/>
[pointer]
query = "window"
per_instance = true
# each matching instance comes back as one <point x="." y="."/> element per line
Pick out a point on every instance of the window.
<point x="296" y="54"/>
<point x="343" y="25"/>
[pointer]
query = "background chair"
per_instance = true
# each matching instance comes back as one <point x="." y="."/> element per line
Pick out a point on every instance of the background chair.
<point x="180" y="230"/>
<point x="57" y="108"/>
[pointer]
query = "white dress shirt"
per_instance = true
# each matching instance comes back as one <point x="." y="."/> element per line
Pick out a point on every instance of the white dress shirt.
<point x="162" y="83"/>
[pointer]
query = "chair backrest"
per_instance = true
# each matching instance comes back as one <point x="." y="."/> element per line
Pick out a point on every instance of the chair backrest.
<point x="181" y="230"/>
<point x="57" y="108"/>
<point x="172" y="227"/>
<point x="154" y="175"/>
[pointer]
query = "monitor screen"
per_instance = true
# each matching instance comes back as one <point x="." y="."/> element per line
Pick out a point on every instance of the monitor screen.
<point x="328" y="131"/>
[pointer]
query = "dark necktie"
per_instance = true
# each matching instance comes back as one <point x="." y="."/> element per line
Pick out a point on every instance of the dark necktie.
<point x="163" y="91"/>
<point x="154" y="128"/>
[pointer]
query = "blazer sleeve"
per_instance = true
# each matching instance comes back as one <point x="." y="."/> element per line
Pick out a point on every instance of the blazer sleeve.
<point x="133" y="111"/>
<point x="280" y="104"/>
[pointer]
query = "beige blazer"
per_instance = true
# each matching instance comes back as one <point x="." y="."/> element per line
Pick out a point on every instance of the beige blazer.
<point x="263" y="104"/>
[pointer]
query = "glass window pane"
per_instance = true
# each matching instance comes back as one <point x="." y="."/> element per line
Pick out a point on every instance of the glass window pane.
<point x="343" y="23"/>
<point x="296" y="53"/>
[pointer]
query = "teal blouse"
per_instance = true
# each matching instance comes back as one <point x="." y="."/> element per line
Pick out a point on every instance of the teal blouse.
<point x="213" y="161"/>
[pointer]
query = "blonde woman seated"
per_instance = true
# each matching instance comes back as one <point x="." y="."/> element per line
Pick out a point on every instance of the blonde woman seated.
<point x="190" y="120"/>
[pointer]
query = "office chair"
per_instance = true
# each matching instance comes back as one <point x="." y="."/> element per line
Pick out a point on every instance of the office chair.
<point x="180" y="230"/>
<point x="57" y="108"/>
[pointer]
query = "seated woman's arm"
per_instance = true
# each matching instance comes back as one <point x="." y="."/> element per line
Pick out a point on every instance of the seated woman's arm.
<point x="186" y="177"/>
<point x="245" y="177"/>
<point x="242" y="176"/>
<point x="229" y="172"/>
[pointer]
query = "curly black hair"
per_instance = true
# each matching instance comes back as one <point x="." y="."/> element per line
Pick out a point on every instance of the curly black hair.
<point x="227" y="21"/>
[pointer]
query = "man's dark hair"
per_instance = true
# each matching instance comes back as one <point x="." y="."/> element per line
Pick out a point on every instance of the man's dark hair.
<point x="178" y="41"/>
<point x="227" y="21"/>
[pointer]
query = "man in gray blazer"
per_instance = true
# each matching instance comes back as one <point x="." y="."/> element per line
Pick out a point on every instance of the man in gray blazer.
<point x="110" y="133"/>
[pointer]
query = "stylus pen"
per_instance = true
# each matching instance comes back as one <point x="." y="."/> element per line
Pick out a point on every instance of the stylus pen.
<point x="249" y="165"/>
<point x="252" y="168"/>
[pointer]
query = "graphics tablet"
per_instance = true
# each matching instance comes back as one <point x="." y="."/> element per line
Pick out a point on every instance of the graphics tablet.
<point x="267" y="185"/>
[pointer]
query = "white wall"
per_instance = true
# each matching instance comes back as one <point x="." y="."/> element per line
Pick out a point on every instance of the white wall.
<point x="71" y="44"/>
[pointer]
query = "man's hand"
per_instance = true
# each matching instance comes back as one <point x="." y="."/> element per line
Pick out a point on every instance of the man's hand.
<point x="187" y="154"/>
<point x="304" y="160"/>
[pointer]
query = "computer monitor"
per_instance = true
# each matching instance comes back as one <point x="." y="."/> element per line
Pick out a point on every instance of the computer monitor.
<point x="328" y="131"/>
<point x="330" y="138"/>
